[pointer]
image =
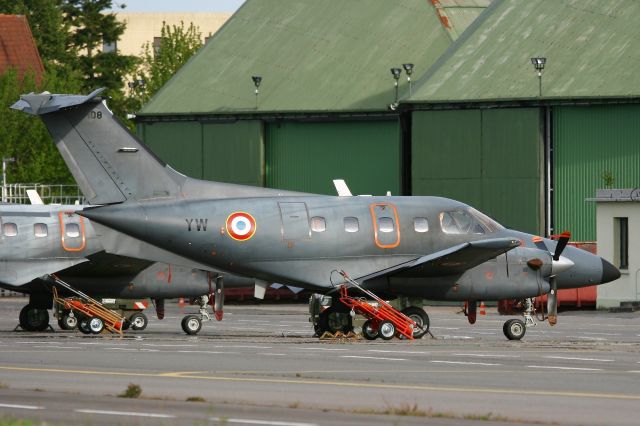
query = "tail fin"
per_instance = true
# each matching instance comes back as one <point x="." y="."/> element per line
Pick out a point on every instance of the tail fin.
<point x="108" y="162"/>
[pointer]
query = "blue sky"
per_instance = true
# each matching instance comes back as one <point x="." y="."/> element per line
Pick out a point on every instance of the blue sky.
<point x="179" y="5"/>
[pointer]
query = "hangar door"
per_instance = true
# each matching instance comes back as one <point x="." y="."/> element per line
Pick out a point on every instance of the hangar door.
<point x="490" y="159"/>
<point x="589" y="142"/>
<point x="306" y="157"/>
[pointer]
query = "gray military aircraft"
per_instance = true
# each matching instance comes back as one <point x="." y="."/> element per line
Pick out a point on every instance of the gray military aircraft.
<point x="429" y="247"/>
<point x="39" y="240"/>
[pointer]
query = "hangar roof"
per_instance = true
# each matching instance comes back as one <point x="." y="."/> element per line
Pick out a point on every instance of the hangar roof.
<point x="313" y="55"/>
<point x="592" y="49"/>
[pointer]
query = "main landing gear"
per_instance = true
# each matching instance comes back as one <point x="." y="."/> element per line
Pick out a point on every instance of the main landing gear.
<point x="34" y="319"/>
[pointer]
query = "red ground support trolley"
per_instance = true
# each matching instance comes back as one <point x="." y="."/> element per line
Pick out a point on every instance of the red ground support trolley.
<point x="383" y="320"/>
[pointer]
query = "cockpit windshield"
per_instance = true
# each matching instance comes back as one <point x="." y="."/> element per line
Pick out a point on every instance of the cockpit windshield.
<point x="467" y="221"/>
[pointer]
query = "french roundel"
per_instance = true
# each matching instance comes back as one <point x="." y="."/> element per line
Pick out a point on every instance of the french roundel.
<point x="241" y="226"/>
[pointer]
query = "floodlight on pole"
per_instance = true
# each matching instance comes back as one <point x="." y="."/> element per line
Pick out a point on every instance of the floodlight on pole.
<point x="538" y="64"/>
<point x="408" y="68"/>
<point x="256" y="82"/>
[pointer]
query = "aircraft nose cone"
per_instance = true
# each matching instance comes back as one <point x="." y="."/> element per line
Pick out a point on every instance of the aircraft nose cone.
<point x="609" y="272"/>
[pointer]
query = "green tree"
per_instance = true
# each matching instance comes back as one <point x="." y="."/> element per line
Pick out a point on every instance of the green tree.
<point x="159" y="63"/>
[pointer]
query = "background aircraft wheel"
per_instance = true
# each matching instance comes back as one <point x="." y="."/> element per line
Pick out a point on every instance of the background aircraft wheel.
<point x="138" y="321"/>
<point x="420" y="317"/>
<point x="67" y="322"/>
<point x="96" y="325"/>
<point x="83" y="326"/>
<point x="191" y="324"/>
<point x="387" y="330"/>
<point x="369" y="332"/>
<point x="34" y="319"/>
<point x="514" y="329"/>
<point x="333" y="320"/>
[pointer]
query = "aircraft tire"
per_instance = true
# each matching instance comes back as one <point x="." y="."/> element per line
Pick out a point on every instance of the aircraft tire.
<point x="386" y="330"/>
<point x="191" y="324"/>
<point x="67" y="322"/>
<point x="334" y="320"/>
<point x="96" y="325"/>
<point x="514" y="329"/>
<point x="34" y="319"/>
<point x="420" y="317"/>
<point x="138" y="321"/>
<point x="83" y="326"/>
<point x="368" y="331"/>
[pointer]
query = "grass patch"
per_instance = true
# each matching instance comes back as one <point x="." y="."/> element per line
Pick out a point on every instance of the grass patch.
<point x="15" y="422"/>
<point x="132" y="391"/>
<point x="195" y="399"/>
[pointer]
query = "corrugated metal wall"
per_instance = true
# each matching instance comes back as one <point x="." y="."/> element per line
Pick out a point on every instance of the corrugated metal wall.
<point x="589" y="141"/>
<point x="308" y="156"/>
<point x="227" y="152"/>
<point x="491" y="159"/>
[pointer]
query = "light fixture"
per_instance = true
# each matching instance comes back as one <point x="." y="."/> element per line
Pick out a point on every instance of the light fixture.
<point x="408" y="68"/>
<point x="256" y="82"/>
<point x="538" y="64"/>
<point x="395" y="72"/>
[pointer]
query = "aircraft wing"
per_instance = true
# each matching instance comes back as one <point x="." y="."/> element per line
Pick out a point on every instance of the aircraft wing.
<point x="454" y="260"/>
<point x="20" y="272"/>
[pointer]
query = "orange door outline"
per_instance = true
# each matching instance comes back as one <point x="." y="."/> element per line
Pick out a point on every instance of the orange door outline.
<point x="62" y="232"/>
<point x="374" y="218"/>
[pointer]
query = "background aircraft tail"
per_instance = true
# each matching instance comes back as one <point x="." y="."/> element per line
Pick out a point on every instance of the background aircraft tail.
<point x="109" y="163"/>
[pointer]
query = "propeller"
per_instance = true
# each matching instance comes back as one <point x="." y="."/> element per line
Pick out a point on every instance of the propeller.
<point x="558" y="265"/>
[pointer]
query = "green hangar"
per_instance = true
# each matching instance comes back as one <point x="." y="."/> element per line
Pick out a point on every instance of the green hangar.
<point x="477" y="123"/>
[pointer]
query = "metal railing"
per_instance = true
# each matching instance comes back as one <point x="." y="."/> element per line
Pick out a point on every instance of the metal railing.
<point x="50" y="194"/>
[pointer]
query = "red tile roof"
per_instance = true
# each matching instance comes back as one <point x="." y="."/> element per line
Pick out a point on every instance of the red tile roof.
<point x="17" y="47"/>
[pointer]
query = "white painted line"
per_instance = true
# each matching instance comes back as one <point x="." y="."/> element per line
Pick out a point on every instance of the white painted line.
<point x="489" y="355"/>
<point x="271" y="354"/>
<point x="554" y="367"/>
<point x="22" y="407"/>
<point x="58" y="347"/>
<point x="398" y="352"/>
<point x="127" y="413"/>
<point x="633" y="371"/>
<point x="372" y="357"/>
<point x="464" y="363"/>
<point x="206" y="352"/>
<point x="259" y="422"/>
<point x="167" y="346"/>
<point x="246" y="347"/>
<point x="603" y="334"/>
<point x="579" y="359"/>
<point x="600" y="339"/>
<point x="322" y="349"/>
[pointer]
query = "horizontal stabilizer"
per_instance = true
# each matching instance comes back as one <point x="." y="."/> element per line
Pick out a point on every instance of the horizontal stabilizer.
<point x="44" y="103"/>
<point x="451" y="261"/>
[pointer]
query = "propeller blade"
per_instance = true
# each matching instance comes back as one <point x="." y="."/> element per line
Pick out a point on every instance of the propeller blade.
<point x="562" y="243"/>
<point x="552" y="302"/>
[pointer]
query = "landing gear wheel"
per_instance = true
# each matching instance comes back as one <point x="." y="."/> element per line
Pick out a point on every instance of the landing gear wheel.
<point x="334" y="320"/>
<point x="369" y="332"/>
<point x="191" y="324"/>
<point x="68" y="322"/>
<point x="514" y="329"/>
<point x="34" y="319"/>
<point x="387" y="330"/>
<point x="139" y="321"/>
<point x="83" y="326"/>
<point x="96" y="325"/>
<point x="421" y="318"/>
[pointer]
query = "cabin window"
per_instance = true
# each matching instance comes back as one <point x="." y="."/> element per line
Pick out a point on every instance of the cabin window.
<point x="385" y="224"/>
<point x="10" y="229"/>
<point x="72" y="230"/>
<point x="318" y="224"/>
<point x="351" y="224"/>
<point x="420" y="224"/>
<point x="467" y="221"/>
<point x="40" y="230"/>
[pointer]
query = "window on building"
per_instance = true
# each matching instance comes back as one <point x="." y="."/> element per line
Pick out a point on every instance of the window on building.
<point x="72" y="230"/>
<point x="318" y="224"/>
<point x="385" y="224"/>
<point x="40" y="230"/>
<point x="157" y="42"/>
<point x="420" y="224"/>
<point x="621" y="242"/>
<point x="109" y="47"/>
<point x="351" y="224"/>
<point x="10" y="229"/>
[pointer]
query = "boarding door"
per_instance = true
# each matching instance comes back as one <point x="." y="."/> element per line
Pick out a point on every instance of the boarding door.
<point x="386" y="227"/>
<point x="72" y="231"/>
<point x="295" y="221"/>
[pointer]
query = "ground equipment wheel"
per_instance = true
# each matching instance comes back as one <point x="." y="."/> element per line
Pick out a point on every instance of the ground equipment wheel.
<point x="83" y="326"/>
<point x="34" y="319"/>
<point x="191" y="324"/>
<point x="334" y="320"/>
<point x="138" y="321"/>
<point x="514" y="329"/>
<point x="96" y="325"/>
<point x="68" y="321"/>
<point x="369" y="331"/>
<point x="387" y="330"/>
<point x="421" y="318"/>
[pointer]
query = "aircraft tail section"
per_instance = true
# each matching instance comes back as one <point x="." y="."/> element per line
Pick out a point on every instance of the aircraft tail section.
<point x="108" y="162"/>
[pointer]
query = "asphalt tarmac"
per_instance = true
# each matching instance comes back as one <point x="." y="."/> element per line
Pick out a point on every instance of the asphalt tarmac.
<point x="261" y="365"/>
